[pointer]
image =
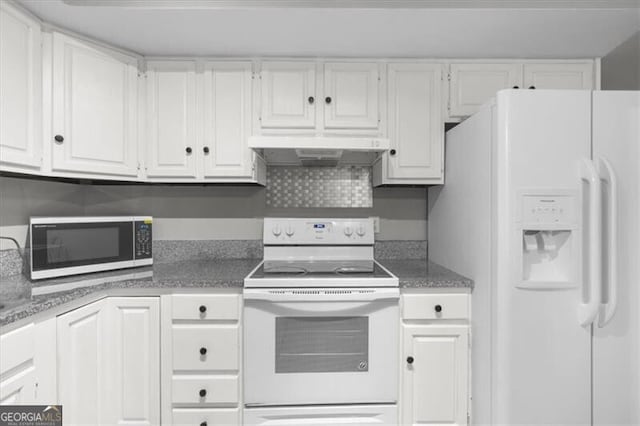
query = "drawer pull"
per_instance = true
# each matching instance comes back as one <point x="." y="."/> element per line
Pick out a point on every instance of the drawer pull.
<point x="438" y="308"/>
<point x="203" y="351"/>
<point x="410" y="360"/>
<point x="203" y="393"/>
<point x="202" y="309"/>
<point x="203" y="424"/>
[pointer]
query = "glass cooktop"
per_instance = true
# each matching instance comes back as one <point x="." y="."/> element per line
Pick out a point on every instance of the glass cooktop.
<point x="303" y="270"/>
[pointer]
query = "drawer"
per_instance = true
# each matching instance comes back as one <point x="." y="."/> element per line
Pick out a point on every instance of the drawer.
<point x="206" y="306"/>
<point x="206" y="417"/>
<point x="17" y="347"/>
<point x="208" y="347"/>
<point x="205" y="390"/>
<point x="435" y="306"/>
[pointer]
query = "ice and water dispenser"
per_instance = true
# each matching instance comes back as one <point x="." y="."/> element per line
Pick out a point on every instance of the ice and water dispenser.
<point x="548" y="230"/>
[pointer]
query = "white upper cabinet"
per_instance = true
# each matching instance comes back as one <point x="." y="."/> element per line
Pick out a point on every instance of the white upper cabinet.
<point x="171" y="130"/>
<point x="472" y="84"/>
<point x="351" y="95"/>
<point x="415" y="126"/>
<point x="578" y="75"/>
<point x="95" y="105"/>
<point x="227" y="119"/>
<point x="288" y="95"/>
<point x="20" y="89"/>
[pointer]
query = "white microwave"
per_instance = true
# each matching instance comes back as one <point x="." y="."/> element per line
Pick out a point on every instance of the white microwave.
<point x="61" y="246"/>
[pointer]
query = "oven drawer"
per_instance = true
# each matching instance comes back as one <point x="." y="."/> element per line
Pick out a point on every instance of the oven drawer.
<point x="435" y="306"/>
<point x="206" y="307"/>
<point x="206" y="390"/>
<point x="210" y="417"/>
<point x="209" y="347"/>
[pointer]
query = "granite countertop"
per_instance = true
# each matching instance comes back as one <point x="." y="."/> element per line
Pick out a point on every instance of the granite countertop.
<point x="161" y="278"/>
<point x="24" y="299"/>
<point x="421" y="273"/>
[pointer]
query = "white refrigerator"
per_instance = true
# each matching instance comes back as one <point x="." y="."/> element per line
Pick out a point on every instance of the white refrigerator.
<point x="540" y="207"/>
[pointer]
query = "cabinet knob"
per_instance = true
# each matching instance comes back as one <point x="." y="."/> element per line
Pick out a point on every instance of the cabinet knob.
<point x="203" y="351"/>
<point x="409" y="360"/>
<point x="203" y="393"/>
<point x="438" y="308"/>
<point x="188" y="149"/>
<point x="203" y="424"/>
<point x="532" y="87"/>
<point x="516" y="87"/>
<point x="311" y="100"/>
<point x="58" y="138"/>
<point x="202" y="309"/>
<point x="328" y="99"/>
<point x="206" y="149"/>
<point x="392" y="152"/>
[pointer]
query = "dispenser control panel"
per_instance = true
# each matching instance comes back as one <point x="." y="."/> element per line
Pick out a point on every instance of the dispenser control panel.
<point x="548" y="210"/>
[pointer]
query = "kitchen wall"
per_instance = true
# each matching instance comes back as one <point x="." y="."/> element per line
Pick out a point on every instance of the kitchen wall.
<point x="194" y="212"/>
<point x="621" y="66"/>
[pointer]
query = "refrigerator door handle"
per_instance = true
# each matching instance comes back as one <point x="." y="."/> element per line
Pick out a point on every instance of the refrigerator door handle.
<point x="608" y="309"/>
<point x="588" y="311"/>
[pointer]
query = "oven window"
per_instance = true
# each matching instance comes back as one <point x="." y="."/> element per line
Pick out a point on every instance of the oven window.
<point x="322" y="344"/>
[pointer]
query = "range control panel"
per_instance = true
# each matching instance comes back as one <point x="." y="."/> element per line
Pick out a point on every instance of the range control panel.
<point x="296" y="231"/>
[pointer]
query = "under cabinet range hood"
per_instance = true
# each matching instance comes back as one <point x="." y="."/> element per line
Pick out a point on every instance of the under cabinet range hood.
<point x="318" y="151"/>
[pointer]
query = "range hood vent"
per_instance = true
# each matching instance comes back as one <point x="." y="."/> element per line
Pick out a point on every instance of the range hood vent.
<point x="318" y="151"/>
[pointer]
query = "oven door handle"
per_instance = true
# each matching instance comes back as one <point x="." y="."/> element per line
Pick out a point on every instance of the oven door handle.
<point x="324" y="295"/>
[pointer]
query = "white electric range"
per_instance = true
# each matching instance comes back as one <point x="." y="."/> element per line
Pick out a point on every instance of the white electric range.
<point x="320" y="327"/>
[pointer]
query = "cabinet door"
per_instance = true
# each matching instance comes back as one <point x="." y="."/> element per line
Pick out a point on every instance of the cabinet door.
<point x="17" y="367"/>
<point x="171" y="119"/>
<point x="94" y="109"/>
<point x="288" y="95"/>
<point x="559" y="76"/>
<point x="435" y="375"/>
<point x="82" y="364"/>
<point x="20" y="88"/>
<point x="474" y="84"/>
<point x="227" y="119"/>
<point x="351" y="96"/>
<point x="132" y="387"/>
<point x="416" y="132"/>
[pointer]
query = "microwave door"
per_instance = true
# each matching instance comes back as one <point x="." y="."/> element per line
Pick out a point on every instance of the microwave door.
<point x="64" y="248"/>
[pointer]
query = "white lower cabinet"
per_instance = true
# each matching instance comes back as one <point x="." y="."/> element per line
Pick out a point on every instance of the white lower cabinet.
<point x="201" y="348"/>
<point x="435" y="352"/>
<point x="108" y="362"/>
<point x="28" y="365"/>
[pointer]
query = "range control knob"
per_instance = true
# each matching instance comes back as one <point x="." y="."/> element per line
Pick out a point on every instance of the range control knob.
<point x="290" y="231"/>
<point x="361" y="231"/>
<point x="276" y="230"/>
<point x="348" y="231"/>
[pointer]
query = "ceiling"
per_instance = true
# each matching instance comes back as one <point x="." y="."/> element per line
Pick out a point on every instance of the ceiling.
<point x="479" y="29"/>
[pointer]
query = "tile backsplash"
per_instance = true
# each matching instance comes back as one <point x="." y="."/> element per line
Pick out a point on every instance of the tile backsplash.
<point x="309" y="187"/>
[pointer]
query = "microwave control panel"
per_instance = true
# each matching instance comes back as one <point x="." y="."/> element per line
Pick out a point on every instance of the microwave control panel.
<point x="143" y="239"/>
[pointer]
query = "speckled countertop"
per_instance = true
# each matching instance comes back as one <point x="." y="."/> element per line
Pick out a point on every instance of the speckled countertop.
<point x="58" y="295"/>
<point x="61" y="294"/>
<point x="425" y="274"/>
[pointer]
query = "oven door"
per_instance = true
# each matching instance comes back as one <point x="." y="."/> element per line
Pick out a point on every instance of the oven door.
<point x="320" y="346"/>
